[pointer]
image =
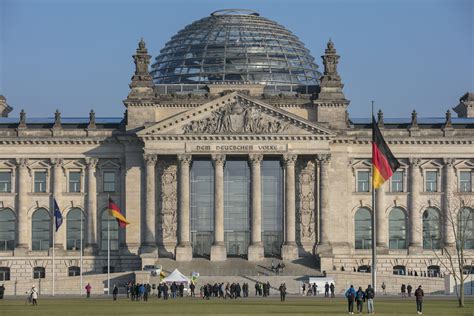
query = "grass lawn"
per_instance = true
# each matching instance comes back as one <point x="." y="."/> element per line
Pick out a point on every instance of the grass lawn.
<point x="259" y="306"/>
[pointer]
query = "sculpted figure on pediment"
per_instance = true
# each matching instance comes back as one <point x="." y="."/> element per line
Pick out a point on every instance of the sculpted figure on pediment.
<point x="236" y="118"/>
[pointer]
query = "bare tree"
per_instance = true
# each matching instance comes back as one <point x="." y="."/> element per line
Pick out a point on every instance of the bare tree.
<point x="458" y="215"/>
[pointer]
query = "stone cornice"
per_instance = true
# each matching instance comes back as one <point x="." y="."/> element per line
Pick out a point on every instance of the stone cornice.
<point x="192" y="137"/>
<point x="406" y="141"/>
<point x="58" y="141"/>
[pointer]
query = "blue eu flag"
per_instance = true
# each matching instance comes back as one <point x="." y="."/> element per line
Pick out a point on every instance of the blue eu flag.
<point x="58" y="217"/>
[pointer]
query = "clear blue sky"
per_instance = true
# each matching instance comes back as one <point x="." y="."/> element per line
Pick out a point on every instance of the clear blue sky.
<point x="76" y="55"/>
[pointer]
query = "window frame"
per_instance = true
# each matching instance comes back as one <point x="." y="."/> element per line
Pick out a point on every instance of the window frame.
<point x="358" y="171"/>
<point x="403" y="182"/>
<point x="469" y="171"/>
<point x="46" y="187"/>
<point x="9" y="183"/>
<point x="436" y="182"/>
<point x="69" y="180"/>
<point x="39" y="270"/>
<point x="109" y="171"/>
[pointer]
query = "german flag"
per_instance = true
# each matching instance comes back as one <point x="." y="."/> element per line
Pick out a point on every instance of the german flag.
<point x="115" y="211"/>
<point x="383" y="161"/>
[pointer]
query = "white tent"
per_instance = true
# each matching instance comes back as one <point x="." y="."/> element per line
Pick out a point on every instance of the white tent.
<point x="177" y="277"/>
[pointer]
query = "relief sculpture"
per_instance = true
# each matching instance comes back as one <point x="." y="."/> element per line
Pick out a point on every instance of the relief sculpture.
<point x="306" y="201"/>
<point x="236" y="118"/>
<point x="168" y="200"/>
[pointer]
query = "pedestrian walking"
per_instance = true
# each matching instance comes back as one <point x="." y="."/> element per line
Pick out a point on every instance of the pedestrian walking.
<point x="192" y="287"/>
<point x="403" y="290"/>
<point x="2" y="291"/>
<point x="384" y="287"/>
<point x="350" y="295"/>
<point x="419" y="299"/>
<point x="282" y="290"/>
<point x="115" y="292"/>
<point x="333" y="290"/>
<point x="88" y="290"/>
<point x="326" y="290"/>
<point x="34" y="296"/>
<point x="360" y="299"/>
<point x="409" y="289"/>
<point x="369" y="296"/>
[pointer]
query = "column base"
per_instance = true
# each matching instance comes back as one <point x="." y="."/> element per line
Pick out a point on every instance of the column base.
<point x="218" y="253"/>
<point x="184" y="253"/>
<point x="91" y="249"/>
<point x="415" y="249"/>
<point x="21" y="250"/>
<point x="149" y="249"/>
<point x="324" y="249"/>
<point x="382" y="249"/>
<point x="255" y="253"/>
<point x="289" y="252"/>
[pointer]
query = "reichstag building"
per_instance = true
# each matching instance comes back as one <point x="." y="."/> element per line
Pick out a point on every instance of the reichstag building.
<point x="234" y="143"/>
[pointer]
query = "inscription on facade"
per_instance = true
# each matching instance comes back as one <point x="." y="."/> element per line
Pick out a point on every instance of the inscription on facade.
<point x="264" y="148"/>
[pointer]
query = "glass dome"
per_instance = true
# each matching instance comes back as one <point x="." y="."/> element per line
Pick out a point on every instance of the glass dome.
<point x="235" y="45"/>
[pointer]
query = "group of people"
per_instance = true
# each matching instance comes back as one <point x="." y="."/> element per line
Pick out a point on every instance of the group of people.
<point x="262" y="289"/>
<point x="278" y="267"/>
<point x="224" y="290"/>
<point x="135" y="291"/>
<point x="361" y="296"/>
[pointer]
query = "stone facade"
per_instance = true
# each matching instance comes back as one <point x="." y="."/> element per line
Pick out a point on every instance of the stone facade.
<point x="150" y="150"/>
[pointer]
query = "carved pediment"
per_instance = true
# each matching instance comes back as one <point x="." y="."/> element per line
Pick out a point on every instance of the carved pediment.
<point x="236" y="114"/>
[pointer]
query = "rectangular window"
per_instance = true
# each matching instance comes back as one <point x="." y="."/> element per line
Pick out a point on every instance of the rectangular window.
<point x="363" y="181"/>
<point x="75" y="181"/>
<point x="5" y="181"/>
<point x="431" y="181"/>
<point x="109" y="181"/>
<point x="40" y="181"/>
<point x="396" y="184"/>
<point x="465" y="181"/>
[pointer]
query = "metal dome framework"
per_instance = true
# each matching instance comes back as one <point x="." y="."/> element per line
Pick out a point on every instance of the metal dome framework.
<point x="235" y="45"/>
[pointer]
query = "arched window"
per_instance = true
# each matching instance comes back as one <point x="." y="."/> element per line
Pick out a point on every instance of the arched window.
<point x="74" y="217"/>
<point x="40" y="234"/>
<point x="433" y="271"/>
<point x="74" y="271"/>
<point x="363" y="229"/>
<point x="39" y="273"/>
<point x="397" y="228"/>
<point x="364" y="269"/>
<point x="4" y="274"/>
<point x="466" y="227"/>
<point x="431" y="229"/>
<point x="399" y="270"/>
<point x="113" y="229"/>
<point x="7" y="229"/>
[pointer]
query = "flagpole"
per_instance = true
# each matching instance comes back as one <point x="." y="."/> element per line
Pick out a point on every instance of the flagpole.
<point x="374" y="241"/>
<point x="54" y="233"/>
<point x="80" y="260"/>
<point x="108" y="247"/>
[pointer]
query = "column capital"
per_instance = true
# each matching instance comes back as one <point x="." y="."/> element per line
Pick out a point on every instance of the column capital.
<point x="449" y="162"/>
<point x="414" y="162"/>
<point x="218" y="159"/>
<point x="22" y="162"/>
<point x="184" y="159"/>
<point x="255" y="159"/>
<point x="150" y="159"/>
<point x="323" y="158"/>
<point x="57" y="162"/>
<point x="290" y="159"/>
<point x="91" y="162"/>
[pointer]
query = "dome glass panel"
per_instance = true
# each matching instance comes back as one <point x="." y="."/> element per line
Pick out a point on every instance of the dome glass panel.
<point x="235" y="45"/>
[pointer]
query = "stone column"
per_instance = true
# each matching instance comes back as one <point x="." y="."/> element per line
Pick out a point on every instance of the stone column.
<point x="255" y="250"/>
<point x="91" y="237"/>
<point x="416" y="228"/>
<point x="323" y="162"/>
<point x="449" y="211"/>
<point x="218" y="249"/>
<point x="58" y="178"/>
<point x="150" y="212"/>
<point x="289" y="249"/>
<point x="184" y="251"/>
<point x="381" y="222"/>
<point x="22" y="207"/>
